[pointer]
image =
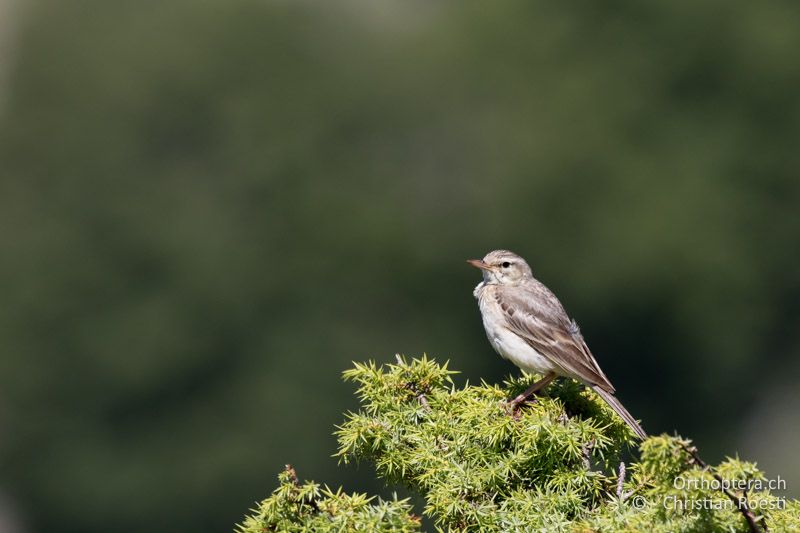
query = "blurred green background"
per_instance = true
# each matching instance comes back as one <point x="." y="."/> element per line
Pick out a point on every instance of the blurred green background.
<point x="209" y="209"/>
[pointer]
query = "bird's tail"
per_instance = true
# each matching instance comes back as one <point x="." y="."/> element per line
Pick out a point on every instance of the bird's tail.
<point x="612" y="401"/>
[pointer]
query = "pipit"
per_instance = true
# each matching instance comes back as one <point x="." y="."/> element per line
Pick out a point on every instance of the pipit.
<point x="527" y="325"/>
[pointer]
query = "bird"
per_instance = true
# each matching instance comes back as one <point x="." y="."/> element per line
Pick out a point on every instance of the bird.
<point x="527" y="325"/>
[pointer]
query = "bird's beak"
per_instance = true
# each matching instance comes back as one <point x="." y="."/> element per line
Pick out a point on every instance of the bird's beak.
<point x="477" y="263"/>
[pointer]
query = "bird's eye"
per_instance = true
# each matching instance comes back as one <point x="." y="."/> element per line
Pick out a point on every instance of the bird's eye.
<point x="506" y="264"/>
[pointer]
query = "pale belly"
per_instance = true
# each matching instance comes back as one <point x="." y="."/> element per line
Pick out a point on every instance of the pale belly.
<point x="512" y="347"/>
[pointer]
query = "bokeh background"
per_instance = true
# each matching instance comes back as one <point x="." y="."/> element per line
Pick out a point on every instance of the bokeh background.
<point x="209" y="209"/>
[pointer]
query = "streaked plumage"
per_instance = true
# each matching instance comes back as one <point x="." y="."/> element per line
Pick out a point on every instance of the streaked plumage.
<point x="527" y="325"/>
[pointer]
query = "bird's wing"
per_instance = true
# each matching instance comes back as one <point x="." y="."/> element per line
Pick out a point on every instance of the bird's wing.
<point x="536" y="315"/>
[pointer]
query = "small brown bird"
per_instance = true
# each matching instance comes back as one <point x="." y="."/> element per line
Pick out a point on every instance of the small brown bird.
<point x="527" y="325"/>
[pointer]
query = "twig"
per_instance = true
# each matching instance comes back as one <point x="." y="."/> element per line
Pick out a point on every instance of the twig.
<point x="586" y="452"/>
<point x="620" y="480"/>
<point x="419" y="395"/>
<point x="423" y="401"/>
<point x="296" y="482"/>
<point x="741" y="505"/>
<point x="292" y="474"/>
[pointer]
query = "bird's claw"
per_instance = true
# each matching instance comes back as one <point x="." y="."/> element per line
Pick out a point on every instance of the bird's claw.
<point x="514" y="406"/>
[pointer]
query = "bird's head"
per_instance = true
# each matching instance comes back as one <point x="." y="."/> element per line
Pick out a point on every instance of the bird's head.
<point x="503" y="268"/>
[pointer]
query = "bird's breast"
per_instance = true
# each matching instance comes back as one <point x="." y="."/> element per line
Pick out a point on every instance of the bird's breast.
<point x="504" y="341"/>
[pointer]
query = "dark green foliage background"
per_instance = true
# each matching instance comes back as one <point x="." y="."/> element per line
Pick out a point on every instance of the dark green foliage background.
<point x="208" y="209"/>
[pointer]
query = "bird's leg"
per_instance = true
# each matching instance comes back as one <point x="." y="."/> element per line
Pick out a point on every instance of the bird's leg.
<point x="533" y="389"/>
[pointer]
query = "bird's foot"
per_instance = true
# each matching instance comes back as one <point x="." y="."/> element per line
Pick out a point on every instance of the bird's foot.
<point x="513" y="406"/>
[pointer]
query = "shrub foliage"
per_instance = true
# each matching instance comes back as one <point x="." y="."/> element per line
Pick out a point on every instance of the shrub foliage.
<point x="556" y="465"/>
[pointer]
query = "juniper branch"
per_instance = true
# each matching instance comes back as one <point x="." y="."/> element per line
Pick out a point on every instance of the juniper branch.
<point x="553" y="466"/>
<point x="740" y="503"/>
